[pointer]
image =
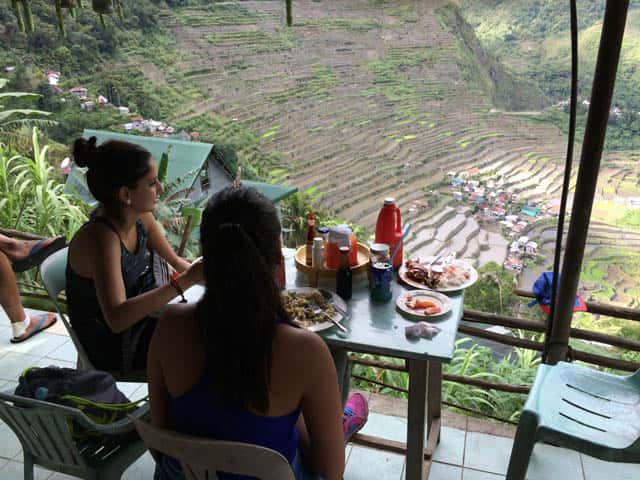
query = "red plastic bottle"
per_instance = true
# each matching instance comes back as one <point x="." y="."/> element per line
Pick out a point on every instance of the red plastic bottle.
<point x="389" y="228"/>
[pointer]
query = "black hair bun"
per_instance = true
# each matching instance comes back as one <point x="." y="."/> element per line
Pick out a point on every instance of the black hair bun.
<point x="85" y="152"/>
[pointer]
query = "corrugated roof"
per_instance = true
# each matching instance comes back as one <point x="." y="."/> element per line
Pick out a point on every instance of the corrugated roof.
<point x="185" y="158"/>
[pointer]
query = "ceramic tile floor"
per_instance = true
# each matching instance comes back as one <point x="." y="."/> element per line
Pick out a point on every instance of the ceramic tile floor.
<point x="461" y="455"/>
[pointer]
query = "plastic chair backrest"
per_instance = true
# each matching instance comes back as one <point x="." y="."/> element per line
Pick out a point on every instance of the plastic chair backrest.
<point x="53" y="273"/>
<point x="43" y="429"/>
<point x="201" y="458"/>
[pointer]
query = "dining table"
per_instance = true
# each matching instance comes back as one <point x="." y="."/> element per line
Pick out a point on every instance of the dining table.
<point x="379" y="328"/>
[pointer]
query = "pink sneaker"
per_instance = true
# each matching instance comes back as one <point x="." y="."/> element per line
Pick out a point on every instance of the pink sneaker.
<point x="355" y="415"/>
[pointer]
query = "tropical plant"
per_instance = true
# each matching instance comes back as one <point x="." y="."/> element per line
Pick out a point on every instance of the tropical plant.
<point x="174" y="208"/>
<point x="32" y="197"/>
<point x="12" y="119"/>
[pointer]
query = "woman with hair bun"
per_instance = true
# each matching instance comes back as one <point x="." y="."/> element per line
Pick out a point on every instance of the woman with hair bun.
<point x="233" y="367"/>
<point x="111" y="290"/>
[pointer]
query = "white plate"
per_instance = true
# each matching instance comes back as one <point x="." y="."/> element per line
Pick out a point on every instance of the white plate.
<point x="402" y="273"/>
<point x="331" y="297"/>
<point x="439" y="299"/>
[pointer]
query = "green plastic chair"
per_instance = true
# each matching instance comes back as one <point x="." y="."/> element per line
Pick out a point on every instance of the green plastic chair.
<point x="202" y="458"/>
<point x="52" y="271"/>
<point x="43" y="431"/>
<point x="585" y="410"/>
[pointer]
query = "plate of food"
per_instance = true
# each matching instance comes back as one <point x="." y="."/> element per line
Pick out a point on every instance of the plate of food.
<point x="450" y="277"/>
<point x="423" y="304"/>
<point x="308" y="307"/>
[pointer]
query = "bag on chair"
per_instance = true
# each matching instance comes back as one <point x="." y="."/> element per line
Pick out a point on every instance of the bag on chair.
<point x="93" y="392"/>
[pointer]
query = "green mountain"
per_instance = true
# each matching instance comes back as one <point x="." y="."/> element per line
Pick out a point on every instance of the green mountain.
<point x="532" y="38"/>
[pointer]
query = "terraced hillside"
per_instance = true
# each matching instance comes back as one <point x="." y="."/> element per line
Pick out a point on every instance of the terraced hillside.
<point x="362" y="100"/>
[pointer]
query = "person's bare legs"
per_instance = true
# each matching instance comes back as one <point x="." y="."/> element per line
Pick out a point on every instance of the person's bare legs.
<point x="10" y="301"/>
<point x="16" y="249"/>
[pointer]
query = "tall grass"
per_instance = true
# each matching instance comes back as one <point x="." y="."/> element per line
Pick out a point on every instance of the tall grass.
<point x="32" y="195"/>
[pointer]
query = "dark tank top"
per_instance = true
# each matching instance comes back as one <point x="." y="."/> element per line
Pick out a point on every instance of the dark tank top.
<point x="108" y="350"/>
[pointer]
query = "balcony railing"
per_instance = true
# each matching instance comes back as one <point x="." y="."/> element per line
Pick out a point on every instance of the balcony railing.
<point x="504" y="339"/>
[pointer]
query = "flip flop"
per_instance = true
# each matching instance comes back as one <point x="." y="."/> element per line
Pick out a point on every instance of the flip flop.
<point x="38" y="253"/>
<point x="40" y="327"/>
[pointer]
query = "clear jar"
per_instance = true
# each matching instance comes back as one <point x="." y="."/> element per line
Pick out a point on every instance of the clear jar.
<point x="379" y="253"/>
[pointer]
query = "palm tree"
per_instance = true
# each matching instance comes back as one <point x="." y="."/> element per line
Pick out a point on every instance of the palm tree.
<point x="13" y="119"/>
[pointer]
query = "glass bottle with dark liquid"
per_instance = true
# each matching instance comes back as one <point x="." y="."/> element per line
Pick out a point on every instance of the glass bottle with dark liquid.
<point x="343" y="275"/>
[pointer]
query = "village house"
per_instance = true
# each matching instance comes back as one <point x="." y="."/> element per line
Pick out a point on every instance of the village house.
<point x="53" y="78"/>
<point x="531" y="248"/>
<point x="530" y="211"/>
<point x="513" y="263"/>
<point x="89" y="105"/>
<point x="123" y="110"/>
<point x="79" y="92"/>
<point x="102" y="100"/>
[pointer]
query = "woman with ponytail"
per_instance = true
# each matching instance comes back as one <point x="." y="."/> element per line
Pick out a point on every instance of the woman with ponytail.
<point x="233" y="367"/>
<point x="111" y="290"/>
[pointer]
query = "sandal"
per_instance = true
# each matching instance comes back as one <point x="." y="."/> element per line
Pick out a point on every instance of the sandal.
<point x="38" y="253"/>
<point x="40" y="327"/>
<point x="355" y="415"/>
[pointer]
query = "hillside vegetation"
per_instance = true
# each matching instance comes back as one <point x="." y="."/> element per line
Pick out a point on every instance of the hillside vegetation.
<point x="531" y="38"/>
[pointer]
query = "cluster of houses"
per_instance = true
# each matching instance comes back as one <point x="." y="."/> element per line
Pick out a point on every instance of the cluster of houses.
<point x="519" y="250"/>
<point x="494" y="204"/>
<point x="614" y="114"/>
<point x="489" y="198"/>
<point x="135" y="123"/>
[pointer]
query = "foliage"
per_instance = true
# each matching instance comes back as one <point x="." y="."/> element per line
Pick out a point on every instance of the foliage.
<point x="171" y="207"/>
<point x="32" y="197"/>
<point x="235" y="145"/>
<point x="295" y="213"/>
<point x="483" y="71"/>
<point x="14" y="118"/>
<point x="493" y="292"/>
<point x="532" y="38"/>
<point x="518" y="367"/>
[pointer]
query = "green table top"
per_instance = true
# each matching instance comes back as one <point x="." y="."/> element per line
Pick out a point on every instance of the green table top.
<point x="378" y="327"/>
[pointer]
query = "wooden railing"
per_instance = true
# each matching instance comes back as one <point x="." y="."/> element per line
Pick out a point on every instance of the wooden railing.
<point x="504" y="339"/>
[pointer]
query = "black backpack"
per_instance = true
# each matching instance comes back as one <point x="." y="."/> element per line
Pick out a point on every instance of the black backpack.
<point x="93" y="392"/>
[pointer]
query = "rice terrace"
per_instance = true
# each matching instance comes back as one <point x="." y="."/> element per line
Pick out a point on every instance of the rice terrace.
<point x="362" y="100"/>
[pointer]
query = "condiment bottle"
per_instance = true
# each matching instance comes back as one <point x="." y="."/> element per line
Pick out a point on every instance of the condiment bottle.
<point x="389" y="228"/>
<point x="339" y="236"/>
<point x="343" y="275"/>
<point x="324" y="233"/>
<point x="318" y="253"/>
<point x="311" y="233"/>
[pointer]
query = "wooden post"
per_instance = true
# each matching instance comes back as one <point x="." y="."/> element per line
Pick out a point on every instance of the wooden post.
<point x="289" y="12"/>
<point x="603" y="82"/>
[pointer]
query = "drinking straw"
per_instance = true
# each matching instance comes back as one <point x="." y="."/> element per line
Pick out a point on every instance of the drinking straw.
<point x="407" y="227"/>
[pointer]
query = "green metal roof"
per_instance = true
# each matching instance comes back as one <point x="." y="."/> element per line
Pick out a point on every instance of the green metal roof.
<point x="273" y="192"/>
<point x="185" y="158"/>
<point x="185" y="161"/>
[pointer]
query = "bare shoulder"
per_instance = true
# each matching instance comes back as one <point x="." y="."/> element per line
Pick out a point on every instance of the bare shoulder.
<point x="94" y="235"/>
<point x="148" y="220"/>
<point x="175" y="322"/>
<point x="300" y="343"/>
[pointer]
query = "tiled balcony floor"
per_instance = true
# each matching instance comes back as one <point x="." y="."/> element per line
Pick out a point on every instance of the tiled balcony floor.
<point x="470" y="449"/>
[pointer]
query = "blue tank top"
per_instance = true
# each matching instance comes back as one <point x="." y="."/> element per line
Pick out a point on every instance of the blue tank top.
<point x="202" y="413"/>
